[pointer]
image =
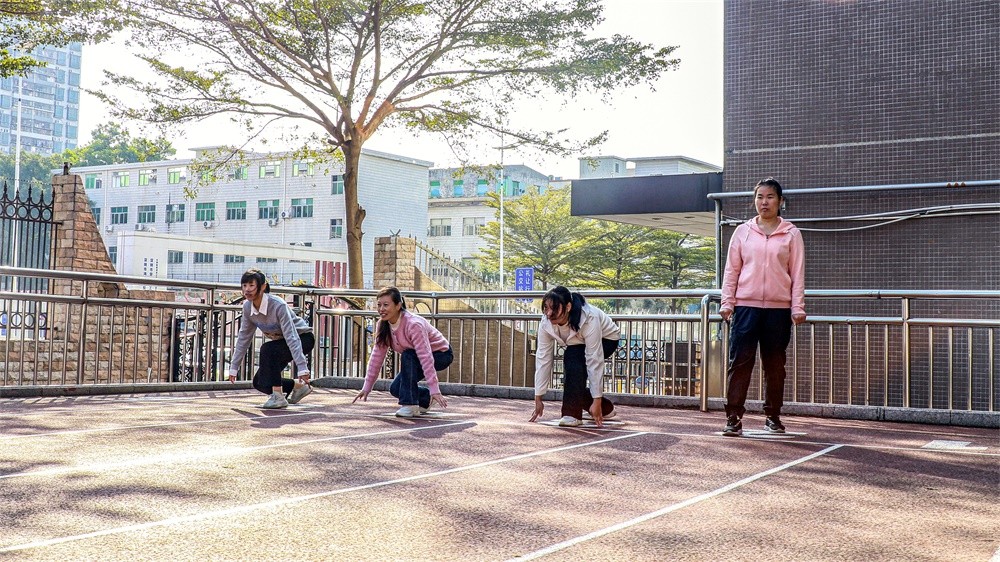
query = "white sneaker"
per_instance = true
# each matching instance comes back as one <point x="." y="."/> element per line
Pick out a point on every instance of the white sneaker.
<point x="608" y="416"/>
<point x="424" y="410"/>
<point x="569" y="421"/>
<point x="274" y="402"/>
<point x="408" y="411"/>
<point x="299" y="393"/>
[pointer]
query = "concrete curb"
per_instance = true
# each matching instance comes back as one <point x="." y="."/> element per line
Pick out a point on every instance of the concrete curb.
<point x="34" y="391"/>
<point x="990" y="420"/>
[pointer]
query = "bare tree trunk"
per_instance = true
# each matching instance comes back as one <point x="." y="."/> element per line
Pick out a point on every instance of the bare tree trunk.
<point x="355" y="215"/>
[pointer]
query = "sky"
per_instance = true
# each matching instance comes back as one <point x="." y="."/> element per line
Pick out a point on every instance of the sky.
<point x="681" y="115"/>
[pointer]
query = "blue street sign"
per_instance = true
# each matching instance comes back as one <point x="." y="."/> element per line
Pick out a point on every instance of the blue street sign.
<point x="524" y="279"/>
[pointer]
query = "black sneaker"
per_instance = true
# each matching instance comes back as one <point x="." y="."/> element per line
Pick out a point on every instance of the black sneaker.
<point x="734" y="427"/>
<point x="774" y="425"/>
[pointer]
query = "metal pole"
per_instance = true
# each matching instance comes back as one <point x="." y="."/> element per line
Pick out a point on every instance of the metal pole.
<point x="16" y="227"/>
<point x="705" y="336"/>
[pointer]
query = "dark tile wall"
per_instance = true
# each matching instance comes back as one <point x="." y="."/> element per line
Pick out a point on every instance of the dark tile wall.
<point x="861" y="93"/>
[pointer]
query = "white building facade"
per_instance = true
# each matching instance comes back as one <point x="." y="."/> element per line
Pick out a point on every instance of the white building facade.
<point x="269" y="199"/>
<point x="457" y="207"/>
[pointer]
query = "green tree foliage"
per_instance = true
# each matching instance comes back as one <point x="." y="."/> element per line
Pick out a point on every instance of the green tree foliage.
<point x="36" y="169"/>
<point x="345" y="68"/>
<point x="538" y="232"/>
<point x="112" y="144"/>
<point x="583" y="253"/>
<point x="27" y="24"/>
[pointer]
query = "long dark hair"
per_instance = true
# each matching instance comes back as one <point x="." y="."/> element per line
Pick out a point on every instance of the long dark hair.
<point x="384" y="335"/>
<point x="558" y="297"/>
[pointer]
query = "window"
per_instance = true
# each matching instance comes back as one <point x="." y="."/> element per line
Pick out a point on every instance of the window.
<point x="439" y="227"/>
<point x="113" y="254"/>
<point x="175" y="213"/>
<point x="240" y="173"/>
<point x="302" y="208"/>
<point x="90" y="181"/>
<point x="229" y="258"/>
<point x="119" y="179"/>
<point x="203" y="257"/>
<point x="72" y="114"/>
<point x="336" y="228"/>
<point x="481" y="188"/>
<point x="336" y="185"/>
<point x="236" y="211"/>
<point x="267" y="209"/>
<point x="304" y="168"/>
<point x="119" y="215"/>
<point x="176" y="175"/>
<point x="472" y="225"/>
<point x="147" y="177"/>
<point x="270" y="169"/>
<point x="435" y="189"/>
<point x="174" y="256"/>
<point x="458" y="188"/>
<point x="147" y="214"/>
<point x="204" y="212"/>
<point x="97" y="214"/>
<point x="267" y="260"/>
<point x="72" y="96"/>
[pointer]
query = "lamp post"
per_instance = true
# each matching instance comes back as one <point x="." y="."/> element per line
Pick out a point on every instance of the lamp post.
<point x="16" y="227"/>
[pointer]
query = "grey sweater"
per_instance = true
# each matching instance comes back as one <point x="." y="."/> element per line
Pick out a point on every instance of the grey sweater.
<point x="276" y="321"/>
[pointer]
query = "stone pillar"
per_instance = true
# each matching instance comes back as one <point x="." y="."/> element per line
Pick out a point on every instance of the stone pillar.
<point x="395" y="261"/>
<point x="79" y="246"/>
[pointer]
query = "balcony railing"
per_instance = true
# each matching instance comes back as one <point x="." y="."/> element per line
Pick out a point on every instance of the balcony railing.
<point x="85" y="331"/>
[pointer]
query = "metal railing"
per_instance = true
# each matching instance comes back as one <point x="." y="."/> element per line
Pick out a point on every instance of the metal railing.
<point x="897" y="358"/>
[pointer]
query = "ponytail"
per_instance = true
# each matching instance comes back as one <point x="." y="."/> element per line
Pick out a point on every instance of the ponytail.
<point x="558" y="297"/>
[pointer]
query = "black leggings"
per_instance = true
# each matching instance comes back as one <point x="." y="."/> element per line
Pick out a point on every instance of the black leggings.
<point x="274" y="357"/>
<point x="576" y="395"/>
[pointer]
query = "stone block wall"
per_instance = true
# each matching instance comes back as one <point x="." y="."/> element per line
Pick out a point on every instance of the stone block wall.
<point x="124" y="343"/>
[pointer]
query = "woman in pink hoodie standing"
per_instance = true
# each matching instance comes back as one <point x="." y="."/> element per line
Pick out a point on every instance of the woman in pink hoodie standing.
<point x="763" y="295"/>
<point x="423" y="352"/>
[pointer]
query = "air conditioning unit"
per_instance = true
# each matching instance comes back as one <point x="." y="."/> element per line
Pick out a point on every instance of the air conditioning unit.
<point x="272" y="222"/>
<point x="208" y="224"/>
<point x="284" y="214"/>
<point x="109" y="228"/>
<point x="140" y="227"/>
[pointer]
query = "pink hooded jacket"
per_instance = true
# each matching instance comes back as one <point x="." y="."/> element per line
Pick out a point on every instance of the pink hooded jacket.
<point x="416" y="333"/>
<point x="765" y="271"/>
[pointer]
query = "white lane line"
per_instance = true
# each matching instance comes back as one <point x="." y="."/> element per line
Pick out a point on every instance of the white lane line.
<point x="952" y="445"/>
<point x="299" y="499"/>
<point x="215" y="452"/>
<point x="690" y="501"/>
<point x="996" y="556"/>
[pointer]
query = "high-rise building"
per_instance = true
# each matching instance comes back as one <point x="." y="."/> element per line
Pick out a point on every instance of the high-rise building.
<point x="49" y="99"/>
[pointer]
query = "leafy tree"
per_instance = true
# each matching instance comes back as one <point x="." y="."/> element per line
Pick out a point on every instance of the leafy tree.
<point x="112" y="144"/>
<point x="345" y="68"/>
<point x="27" y="24"/>
<point x="538" y="232"/>
<point x="36" y="169"/>
<point x="618" y="257"/>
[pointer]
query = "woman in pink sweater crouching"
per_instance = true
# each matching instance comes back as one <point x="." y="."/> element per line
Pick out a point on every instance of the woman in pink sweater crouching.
<point x="423" y="352"/>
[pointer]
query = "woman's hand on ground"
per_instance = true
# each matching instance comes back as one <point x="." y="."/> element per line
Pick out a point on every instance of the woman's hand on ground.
<point x="539" y="408"/>
<point x="440" y="400"/>
<point x="596" y="413"/>
<point x="362" y="395"/>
